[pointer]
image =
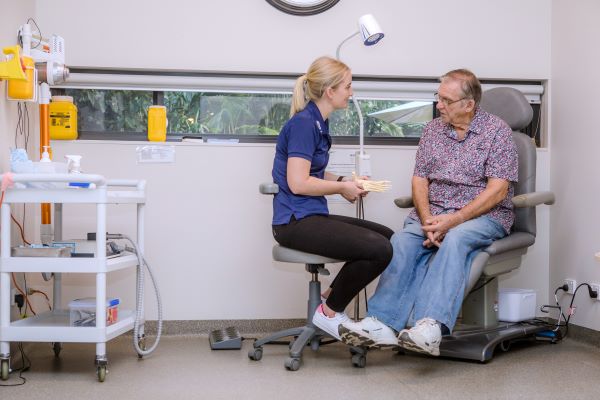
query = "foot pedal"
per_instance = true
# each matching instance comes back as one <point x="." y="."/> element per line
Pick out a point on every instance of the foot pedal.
<point x="225" y="339"/>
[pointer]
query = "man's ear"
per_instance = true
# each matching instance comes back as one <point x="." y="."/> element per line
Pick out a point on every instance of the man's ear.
<point x="471" y="105"/>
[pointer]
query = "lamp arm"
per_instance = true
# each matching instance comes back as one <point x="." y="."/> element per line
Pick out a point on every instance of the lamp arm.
<point x="361" y="132"/>
<point x="337" y="52"/>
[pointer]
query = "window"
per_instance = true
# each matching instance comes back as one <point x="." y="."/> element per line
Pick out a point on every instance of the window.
<point x="111" y="110"/>
<point x="113" y="105"/>
<point x="226" y="113"/>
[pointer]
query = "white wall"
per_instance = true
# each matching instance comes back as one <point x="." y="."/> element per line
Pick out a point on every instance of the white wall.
<point x="496" y="39"/>
<point x="575" y="143"/>
<point x="13" y="14"/>
<point x="208" y="233"/>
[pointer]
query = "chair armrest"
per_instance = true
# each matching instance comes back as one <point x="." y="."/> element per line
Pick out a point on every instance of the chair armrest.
<point x="404" y="202"/>
<point x="533" y="199"/>
<point x="268" y="188"/>
<point x="517" y="240"/>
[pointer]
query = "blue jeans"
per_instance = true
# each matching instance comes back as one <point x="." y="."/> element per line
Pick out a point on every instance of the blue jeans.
<point x="414" y="283"/>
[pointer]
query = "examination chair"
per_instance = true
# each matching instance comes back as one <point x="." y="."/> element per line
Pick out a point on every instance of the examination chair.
<point x="479" y="331"/>
<point x="309" y="333"/>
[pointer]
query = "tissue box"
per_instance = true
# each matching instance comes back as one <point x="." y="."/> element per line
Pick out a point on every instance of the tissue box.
<point x="82" y="312"/>
<point x="515" y="305"/>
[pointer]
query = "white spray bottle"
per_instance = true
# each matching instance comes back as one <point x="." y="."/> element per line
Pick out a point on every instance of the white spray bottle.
<point x="74" y="167"/>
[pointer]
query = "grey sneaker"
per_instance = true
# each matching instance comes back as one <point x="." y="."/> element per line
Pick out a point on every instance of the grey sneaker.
<point x="370" y="332"/>
<point x="424" y="337"/>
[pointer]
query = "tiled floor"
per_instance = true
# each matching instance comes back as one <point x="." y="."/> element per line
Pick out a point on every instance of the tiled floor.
<point x="185" y="368"/>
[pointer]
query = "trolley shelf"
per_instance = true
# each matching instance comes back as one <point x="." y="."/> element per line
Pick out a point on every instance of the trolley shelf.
<point x="66" y="264"/>
<point x="54" y="326"/>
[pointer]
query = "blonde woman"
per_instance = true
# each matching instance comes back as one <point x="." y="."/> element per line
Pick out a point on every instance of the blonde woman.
<point x="301" y="219"/>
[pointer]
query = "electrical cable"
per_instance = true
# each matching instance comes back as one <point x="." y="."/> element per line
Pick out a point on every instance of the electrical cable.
<point x="360" y="214"/>
<point x="23" y="127"/>
<point x="12" y="274"/>
<point x="38" y="31"/>
<point x="35" y="291"/>
<point x="26" y="294"/>
<point x="482" y="285"/>
<point x="20" y="229"/>
<point x="571" y="312"/>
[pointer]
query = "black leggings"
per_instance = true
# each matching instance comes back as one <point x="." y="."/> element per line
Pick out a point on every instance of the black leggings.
<point x="364" y="245"/>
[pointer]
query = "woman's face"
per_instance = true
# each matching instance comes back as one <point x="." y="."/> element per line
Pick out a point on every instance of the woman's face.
<point x="342" y="92"/>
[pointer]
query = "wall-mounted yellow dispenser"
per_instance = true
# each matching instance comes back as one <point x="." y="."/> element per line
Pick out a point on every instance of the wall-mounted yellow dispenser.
<point x="12" y="68"/>
<point x="24" y="90"/>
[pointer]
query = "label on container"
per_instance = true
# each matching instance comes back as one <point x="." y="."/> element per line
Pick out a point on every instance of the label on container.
<point x="60" y="119"/>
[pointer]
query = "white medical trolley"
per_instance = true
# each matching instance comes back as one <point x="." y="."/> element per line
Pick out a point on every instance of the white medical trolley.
<point x="54" y="326"/>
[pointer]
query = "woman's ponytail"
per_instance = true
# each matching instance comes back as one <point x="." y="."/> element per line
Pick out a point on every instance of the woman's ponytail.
<point x="299" y="98"/>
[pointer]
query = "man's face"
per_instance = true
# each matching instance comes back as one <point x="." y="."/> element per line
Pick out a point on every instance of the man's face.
<point x="452" y="105"/>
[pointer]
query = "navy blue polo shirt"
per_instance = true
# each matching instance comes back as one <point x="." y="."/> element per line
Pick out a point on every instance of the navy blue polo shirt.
<point x="305" y="135"/>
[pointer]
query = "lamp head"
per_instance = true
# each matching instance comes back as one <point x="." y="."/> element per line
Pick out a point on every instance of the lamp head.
<point x="370" y="30"/>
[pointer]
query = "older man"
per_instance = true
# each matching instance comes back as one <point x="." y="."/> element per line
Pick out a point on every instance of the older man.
<point x="462" y="189"/>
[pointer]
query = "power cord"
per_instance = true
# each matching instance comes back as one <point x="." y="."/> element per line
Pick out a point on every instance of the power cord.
<point x="565" y="288"/>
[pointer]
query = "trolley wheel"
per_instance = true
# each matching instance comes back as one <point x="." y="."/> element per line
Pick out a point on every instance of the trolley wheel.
<point x="4" y="370"/>
<point x="56" y="347"/>
<point x="292" y="364"/>
<point x="505" y="345"/>
<point x="359" y="360"/>
<point x="255" y="353"/>
<point x="101" y="370"/>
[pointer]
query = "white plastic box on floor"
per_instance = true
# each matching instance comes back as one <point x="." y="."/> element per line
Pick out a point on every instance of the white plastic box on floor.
<point x="516" y="305"/>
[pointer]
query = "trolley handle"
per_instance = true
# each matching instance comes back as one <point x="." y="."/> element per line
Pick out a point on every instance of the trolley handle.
<point x="98" y="180"/>
<point x="138" y="184"/>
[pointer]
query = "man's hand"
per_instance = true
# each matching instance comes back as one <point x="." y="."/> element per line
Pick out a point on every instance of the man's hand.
<point x="436" y="227"/>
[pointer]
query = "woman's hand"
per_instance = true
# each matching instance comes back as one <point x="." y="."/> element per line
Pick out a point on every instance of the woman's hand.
<point x="351" y="190"/>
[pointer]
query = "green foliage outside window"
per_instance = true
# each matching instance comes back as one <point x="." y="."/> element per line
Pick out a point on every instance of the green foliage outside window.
<point x="111" y="110"/>
<point x="205" y="113"/>
<point x="227" y="113"/>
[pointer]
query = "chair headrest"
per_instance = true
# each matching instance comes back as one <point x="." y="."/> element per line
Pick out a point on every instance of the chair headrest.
<point x="509" y="104"/>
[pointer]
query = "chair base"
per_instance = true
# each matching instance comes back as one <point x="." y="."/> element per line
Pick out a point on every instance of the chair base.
<point x="304" y="335"/>
<point x="478" y="344"/>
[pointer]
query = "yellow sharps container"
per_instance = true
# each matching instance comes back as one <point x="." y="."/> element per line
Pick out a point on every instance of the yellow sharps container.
<point x="62" y="118"/>
<point x="24" y="90"/>
<point x="157" y="123"/>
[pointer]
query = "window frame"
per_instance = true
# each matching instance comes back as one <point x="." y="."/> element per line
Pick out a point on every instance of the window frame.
<point x="365" y="87"/>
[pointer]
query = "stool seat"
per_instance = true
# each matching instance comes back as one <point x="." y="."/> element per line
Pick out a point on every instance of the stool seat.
<point x="285" y="254"/>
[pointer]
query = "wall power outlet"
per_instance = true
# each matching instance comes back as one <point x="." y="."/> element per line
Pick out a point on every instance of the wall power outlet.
<point x="572" y="284"/>
<point x="596" y="287"/>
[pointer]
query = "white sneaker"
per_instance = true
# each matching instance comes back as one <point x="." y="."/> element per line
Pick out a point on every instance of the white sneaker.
<point x="370" y="332"/>
<point x="424" y="337"/>
<point x="327" y="324"/>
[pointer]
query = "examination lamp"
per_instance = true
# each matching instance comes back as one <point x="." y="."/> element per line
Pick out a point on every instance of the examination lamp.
<point x="371" y="33"/>
<point x="369" y="30"/>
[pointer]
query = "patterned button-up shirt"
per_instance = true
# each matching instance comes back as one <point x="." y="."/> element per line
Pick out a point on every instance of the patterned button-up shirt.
<point x="457" y="170"/>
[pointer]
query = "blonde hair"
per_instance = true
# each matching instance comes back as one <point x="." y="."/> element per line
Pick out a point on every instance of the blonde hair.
<point x="323" y="73"/>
